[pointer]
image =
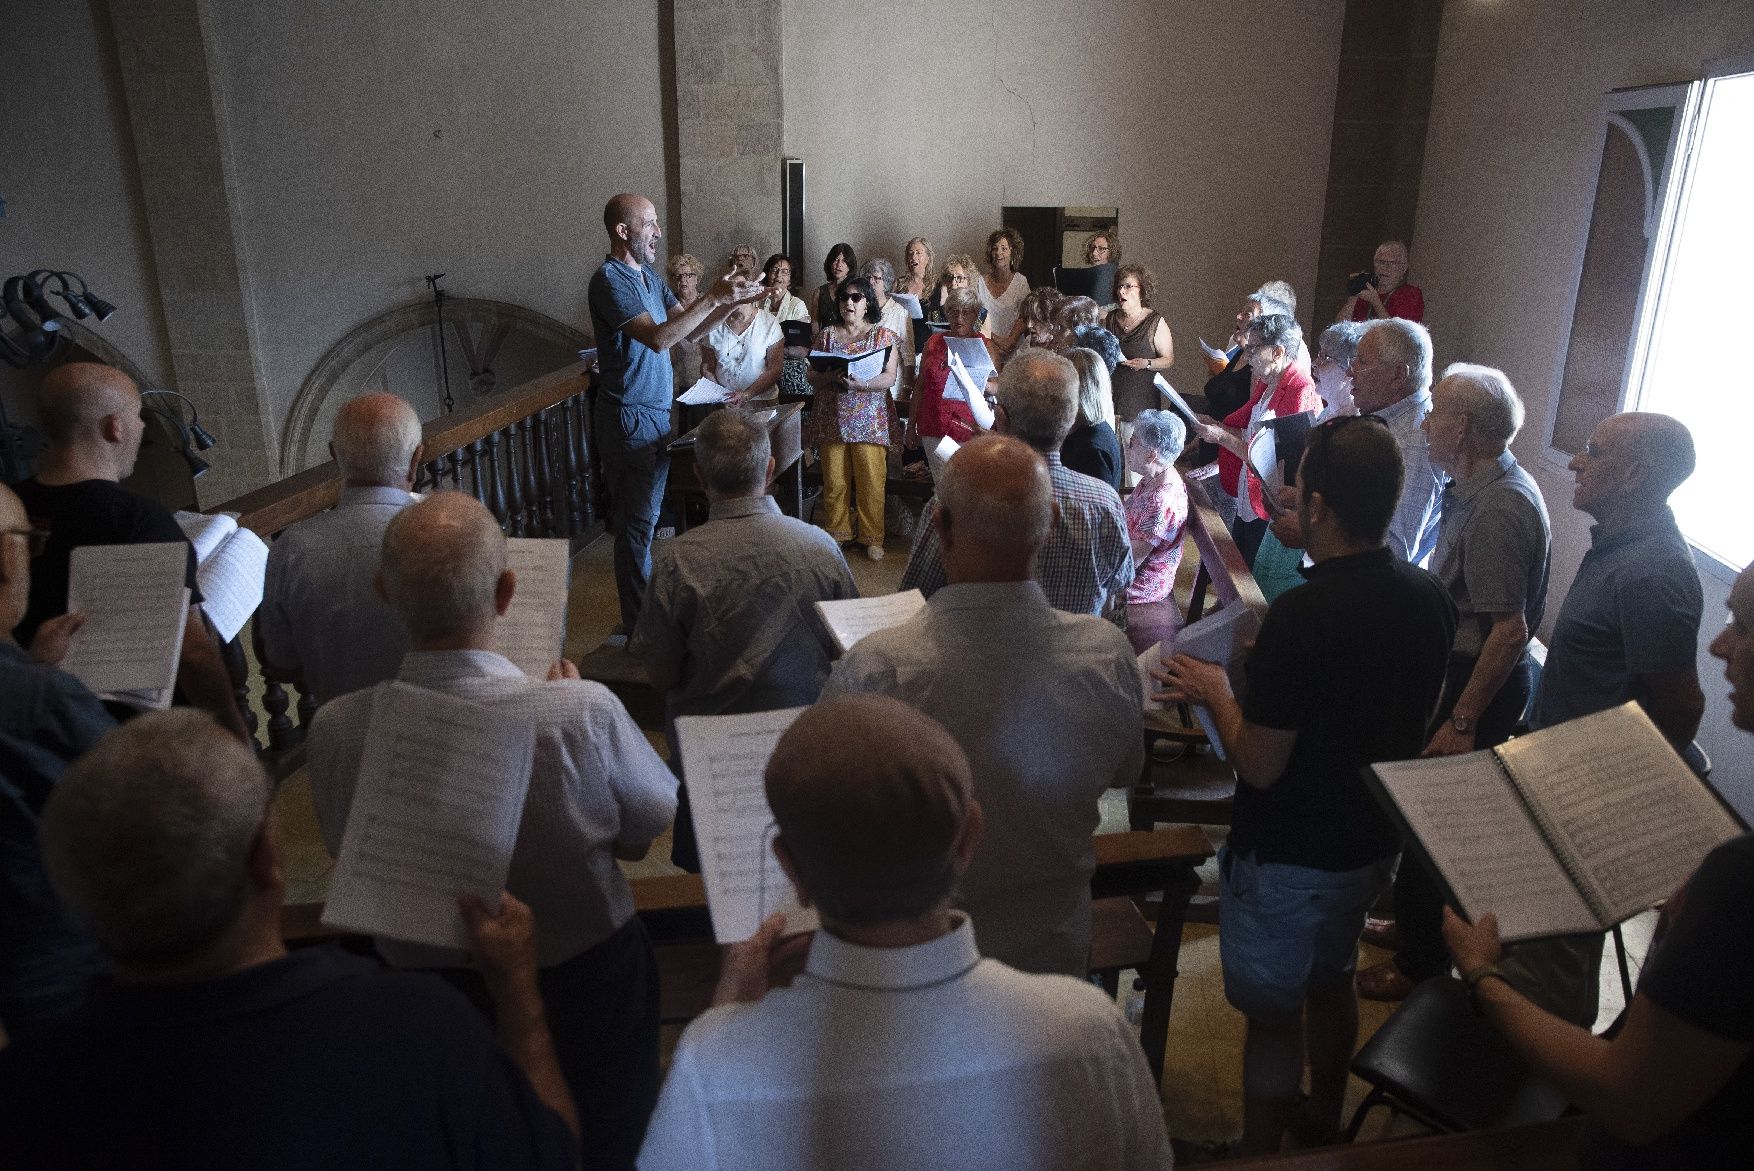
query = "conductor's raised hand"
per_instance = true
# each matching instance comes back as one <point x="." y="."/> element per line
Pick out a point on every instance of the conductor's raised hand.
<point x="734" y="289"/>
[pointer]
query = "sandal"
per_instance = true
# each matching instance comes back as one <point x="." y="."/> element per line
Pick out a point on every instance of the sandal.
<point x="1384" y="933"/>
<point x="1383" y="981"/>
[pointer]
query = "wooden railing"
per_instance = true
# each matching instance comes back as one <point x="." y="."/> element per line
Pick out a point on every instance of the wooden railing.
<point x="527" y="454"/>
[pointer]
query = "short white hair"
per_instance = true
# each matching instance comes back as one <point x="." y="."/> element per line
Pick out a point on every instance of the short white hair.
<point x="1486" y="396"/>
<point x="1039" y="391"/>
<point x="1013" y="510"/>
<point x="442" y="560"/>
<point x="147" y="837"/>
<point x="375" y="436"/>
<point x="1404" y="343"/>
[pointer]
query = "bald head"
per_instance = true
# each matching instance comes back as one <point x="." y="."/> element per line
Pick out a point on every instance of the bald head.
<point x="995" y="497"/>
<point x="1665" y="445"/>
<point x="870" y="797"/>
<point x="76" y="398"/>
<point x="624" y="209"/>
<point x="442" y="563"/>
<point x="1038" y="391"/>
<point x="376" y="440"/>
<point x="1631" y="466"/>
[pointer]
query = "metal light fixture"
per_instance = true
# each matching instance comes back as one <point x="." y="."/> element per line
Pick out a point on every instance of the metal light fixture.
<point x="195" y="437"/>
<point x="25" y="299"/>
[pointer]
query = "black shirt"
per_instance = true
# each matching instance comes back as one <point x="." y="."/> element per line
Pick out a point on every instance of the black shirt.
<point x="318" y="1059"/>
<point x="91" y="512"/>
<point x="1353" y="662"/>
<point x="1095" y="450"/>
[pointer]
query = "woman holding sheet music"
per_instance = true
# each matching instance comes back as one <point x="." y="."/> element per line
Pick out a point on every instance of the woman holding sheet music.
<point x="933" y="417"/>
<point x="849" y="422"/>
<point x="745" y="353"/>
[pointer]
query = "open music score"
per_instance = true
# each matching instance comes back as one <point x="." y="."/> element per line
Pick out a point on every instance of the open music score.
<point x="136" y="608"/>
<point x="533" y="628"/>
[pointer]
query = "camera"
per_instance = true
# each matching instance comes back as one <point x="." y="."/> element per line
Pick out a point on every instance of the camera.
<point x="1359" y="281"/>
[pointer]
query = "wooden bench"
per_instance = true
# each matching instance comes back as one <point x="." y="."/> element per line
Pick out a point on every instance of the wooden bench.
<point x="1546" y="1146"/>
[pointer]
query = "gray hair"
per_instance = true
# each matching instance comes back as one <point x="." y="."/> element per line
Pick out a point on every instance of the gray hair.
<point x="1487" y="398"/>
<point x="147" y="837"/>
<point x="1095" y="389"/>
<point x="1163" y="432"/>
<point x="879" y="268"/>
<point x="1279" y="293"/>
<point x="375" y="436"/>
<point x="442" y="559"/>
<point x="961" y="299"/>
<point x="731" y="450"/>
<point x="1405" y="343"/>
<point x="1008" y="511"/>
<point x="1269" y="305"/>
<point x="1277" y="329"/>
<point x="1340" y="341"/>
<point x="1039" y="391"/>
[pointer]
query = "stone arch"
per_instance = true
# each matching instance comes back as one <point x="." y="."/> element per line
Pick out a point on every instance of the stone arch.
<point x="351" y="362"/>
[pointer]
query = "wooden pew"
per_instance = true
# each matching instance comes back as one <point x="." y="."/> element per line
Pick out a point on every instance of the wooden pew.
<point x="1545" y="1146"/>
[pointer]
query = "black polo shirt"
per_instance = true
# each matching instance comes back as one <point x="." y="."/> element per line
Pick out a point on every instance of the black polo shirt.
<point x="318" y="1059"/>
<point x="1353" y="662"/>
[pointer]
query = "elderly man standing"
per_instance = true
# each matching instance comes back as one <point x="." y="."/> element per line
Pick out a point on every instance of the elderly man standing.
<point x="1044" y="703"/>
<point x="898" y="1045"/>
<point x="321" y="623"/>
<point x="598" y="792"/>
<point x="1391" y="379"/>
<point x="727" y="625"/>
<point x="212" y="1043"/>
<point x="1087" y="559"/>
<point x="1345" y="673"/>
<point x="92" y="415"/>
<point x="630" y="318"/>
<point x="1493" y="555"/>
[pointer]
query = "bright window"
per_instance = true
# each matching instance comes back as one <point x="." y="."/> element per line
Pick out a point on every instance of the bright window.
<point x="1693" y="359"/>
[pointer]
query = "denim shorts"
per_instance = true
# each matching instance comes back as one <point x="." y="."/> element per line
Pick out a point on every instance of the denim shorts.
<point x="1283" y="929"/>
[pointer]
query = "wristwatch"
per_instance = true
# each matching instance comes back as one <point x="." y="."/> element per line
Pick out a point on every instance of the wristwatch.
<point x="1461" y="724"/>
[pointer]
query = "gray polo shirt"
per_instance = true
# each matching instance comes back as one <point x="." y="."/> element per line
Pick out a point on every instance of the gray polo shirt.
<point x="1634" y="609"/>
<point x="1413" y="529"/>
<point x="730" y="610"/>
<point x="319" y="611"/>
<point x="1493" y="549"/>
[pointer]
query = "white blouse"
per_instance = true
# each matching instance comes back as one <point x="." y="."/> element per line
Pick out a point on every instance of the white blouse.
<point x="742" y="357"/>
<point x="1002" y="309"/>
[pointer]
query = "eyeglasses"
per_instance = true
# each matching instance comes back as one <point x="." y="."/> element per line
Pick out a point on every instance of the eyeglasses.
<point x="36" y="540"/>
<point x="853" y="297"/>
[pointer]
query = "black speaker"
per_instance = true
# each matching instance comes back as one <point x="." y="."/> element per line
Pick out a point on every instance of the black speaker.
<point x="792" y="216"/>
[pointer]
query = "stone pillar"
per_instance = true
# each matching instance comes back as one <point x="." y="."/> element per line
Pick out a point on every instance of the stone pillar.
<point x="1388" y="58"/>
<point x="175" y="109"/>
<point x="730" y="113"/>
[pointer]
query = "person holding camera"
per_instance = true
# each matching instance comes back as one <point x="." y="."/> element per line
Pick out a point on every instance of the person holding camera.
<point x="1383" y="292"/>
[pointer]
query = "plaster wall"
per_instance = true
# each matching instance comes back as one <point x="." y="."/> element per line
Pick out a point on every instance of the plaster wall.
<point x="1509" y="179"/>
<point x="1207" y="125"/>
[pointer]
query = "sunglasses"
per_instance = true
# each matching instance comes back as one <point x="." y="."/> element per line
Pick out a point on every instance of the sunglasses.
<point x="845" y="297"/>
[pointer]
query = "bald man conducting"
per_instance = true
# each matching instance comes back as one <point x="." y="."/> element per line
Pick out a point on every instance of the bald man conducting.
<point x="91" y="413"/>
<point x="597" y="793"/>
<point x="321" y="623"/>
<point x="1044" y="703"/>
<point x="630" y="318"/>
<point x="898" y="1046"/>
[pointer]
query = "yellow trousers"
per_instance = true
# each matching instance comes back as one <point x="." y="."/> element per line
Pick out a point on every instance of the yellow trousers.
<point x="864" y="468"/>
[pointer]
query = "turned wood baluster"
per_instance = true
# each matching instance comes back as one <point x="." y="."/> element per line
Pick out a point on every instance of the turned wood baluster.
<point x="307" y="708"/>
<point x="582" y="448"/>
<point x="477" y="484"/>
<point x="495" y="499"/>
<point x="527" y="437"/>
<point x="431" y="474"/>
<point x="275" y="702"/>
<point x="552" y="515"/>
<point x="569" y="472"/>
<point x="456" y="465"/>
<point x="513" y="516"/>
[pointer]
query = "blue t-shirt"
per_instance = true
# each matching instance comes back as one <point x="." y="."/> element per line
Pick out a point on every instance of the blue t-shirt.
<point x="630" y="373"/>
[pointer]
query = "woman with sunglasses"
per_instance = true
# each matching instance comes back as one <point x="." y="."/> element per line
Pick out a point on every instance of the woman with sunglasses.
<point x="849" y="422"/>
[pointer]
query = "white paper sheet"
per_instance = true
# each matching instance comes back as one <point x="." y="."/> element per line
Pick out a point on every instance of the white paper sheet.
<point x="1220" y="638"/>
<point x="864" y="367"/>
<point x="945" y="447"/>
<point x="911" y="303"/>
<point x="703" y="392"/>
<point x="1149" y="658"/>
<point x="850" y="619"/>
<point x="206" y="531"/>
<point x="231" y="582"/>
<point x="533" y="627"/>
<point x="1171" y="396"/>
<point x="723" y="758"/>
<point x="135" y="606"/>
<point x="434" y="816"/>
<point x="962" y="387"/>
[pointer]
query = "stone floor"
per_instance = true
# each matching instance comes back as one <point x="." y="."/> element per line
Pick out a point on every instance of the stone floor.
<point x="1202" y="1079"/>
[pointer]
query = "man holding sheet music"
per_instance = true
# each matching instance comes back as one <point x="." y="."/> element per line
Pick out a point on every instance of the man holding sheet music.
<point x="91" y="413"/>
<point x="1087" y="558"/>
<point x="1347" y="671"/>
<point x="321" y="623"/>
<point x="727" y="624"/>
<point x="898" y="1045"/>
<point x="597" y="792"/>
<point x="213" y="1044"/>
<point x="1044" y="703"/>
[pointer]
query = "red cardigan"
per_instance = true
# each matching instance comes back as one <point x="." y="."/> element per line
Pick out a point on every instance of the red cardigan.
<point x="1296" y="394"/>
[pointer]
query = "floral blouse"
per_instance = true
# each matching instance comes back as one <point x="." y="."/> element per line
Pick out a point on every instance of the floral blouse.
<point x="852" y="416"/>
<point x="1156" y="511"/>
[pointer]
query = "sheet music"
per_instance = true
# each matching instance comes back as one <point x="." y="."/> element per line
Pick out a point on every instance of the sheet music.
<point x="231" y="582"/>
<point x="532" y="629"/>
<point x="1221" y="638"/>
<point x="864" y="367"/>
<point x="434" y="816"/>
<point x="850" y="619"/>
<point x="704" y="391"/>
<point x="961" y="387"/>
<point x="1468" y="816"/>
<point x="723" y="758"/>
<point x="135" y="606"/>
<point x="945" y="447"/>
<point x="974" y="356"/>
<point x="1176" y="402"/>
<point x="911" y="303"/>
<point x="206" y="531"/>
<point x="1621" y="806"/>
<point x="1213" y="352"/>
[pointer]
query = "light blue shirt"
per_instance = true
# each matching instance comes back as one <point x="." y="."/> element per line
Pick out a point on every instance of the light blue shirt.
<point x="1412" y="532"/>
